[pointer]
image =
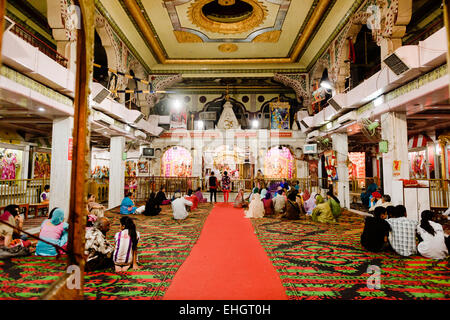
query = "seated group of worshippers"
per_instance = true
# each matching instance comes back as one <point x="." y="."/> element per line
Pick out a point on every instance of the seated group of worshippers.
<point x="9" y="236"/>
<point x="288" y="203"/>
<point x="180" y="205"/>
<point x="390" y="229"/>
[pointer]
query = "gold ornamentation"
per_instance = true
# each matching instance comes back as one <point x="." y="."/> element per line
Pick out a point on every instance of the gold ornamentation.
<point x="228" y="47"/>
<point x="197" y="17"/>
<point x="269" y="36"/>
<point x="183" y="37"/>
<point x="226" y="2"/>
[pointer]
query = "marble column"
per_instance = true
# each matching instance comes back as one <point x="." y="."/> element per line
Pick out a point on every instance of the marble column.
<point x="395" y="131"/>
<point x="340" y="145"/>
<point x="116" y="172"/>
<point x="61" y="166"/>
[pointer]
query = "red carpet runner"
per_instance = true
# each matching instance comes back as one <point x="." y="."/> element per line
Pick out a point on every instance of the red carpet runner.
<point x="226" y="263"/>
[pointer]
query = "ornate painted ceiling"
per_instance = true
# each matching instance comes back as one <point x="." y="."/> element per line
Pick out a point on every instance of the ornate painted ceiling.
<point x="227" y="36"/>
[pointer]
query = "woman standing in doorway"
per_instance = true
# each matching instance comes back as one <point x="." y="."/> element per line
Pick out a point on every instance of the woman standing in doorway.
<point x="226" y="182"/>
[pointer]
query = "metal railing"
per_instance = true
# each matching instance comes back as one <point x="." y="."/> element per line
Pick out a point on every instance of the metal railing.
<point x="38" y="43"/>
<point x="21" y="191"/>
<point x="439" y="190"/>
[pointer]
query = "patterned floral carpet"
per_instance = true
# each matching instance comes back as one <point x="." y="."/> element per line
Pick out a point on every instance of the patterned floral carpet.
<point x="318" y="261"/>
<point x="165" y="244"/>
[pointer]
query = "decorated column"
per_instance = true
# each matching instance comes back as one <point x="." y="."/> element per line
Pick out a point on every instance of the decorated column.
<point x="395" y="160"/>
<point x="340" y="145"/>
<point x="116" y="172"/>
<point x="61" y="164"/>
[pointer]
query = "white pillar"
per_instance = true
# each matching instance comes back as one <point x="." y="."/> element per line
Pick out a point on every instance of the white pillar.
<point x="340" y="145"/>
<point x="395" y="131"/>
<point x="116" y="172"/>
<point x="25" y="163"/>
<point x="61" y="166"/>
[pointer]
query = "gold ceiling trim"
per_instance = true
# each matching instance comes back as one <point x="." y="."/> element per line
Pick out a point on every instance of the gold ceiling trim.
<point x="198" y="18"/>
<point x="138" y="16"/>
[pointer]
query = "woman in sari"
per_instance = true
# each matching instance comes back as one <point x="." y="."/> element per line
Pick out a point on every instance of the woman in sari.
<point x="256" y="207"/>
<point x="310" y="204"/>
<point x="334" y="204"/>
<point x="239" y="201"/>
<point x="199" y="195"/>
<point x="322" y="212"/>
<point x="55" y="231"/>
<point x="254" y="191"/>
<point x="268" y="205"/>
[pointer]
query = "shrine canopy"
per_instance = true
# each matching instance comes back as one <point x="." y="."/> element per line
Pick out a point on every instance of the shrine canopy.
<point x="176" y="162"/>
<point x="228" y="159"/>
<point x="279" y="163"/>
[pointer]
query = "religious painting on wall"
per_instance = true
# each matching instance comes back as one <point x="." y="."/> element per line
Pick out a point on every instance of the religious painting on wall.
<point x="41" y="165"/>
<point x="130" y="168"/>
<point x="143" y="167"/>
<point x="330" y="164"/>
<point x="10" y="164"/>
<point x="178" y="120"/>
<point x="176" y="162"/>
<point x="279" y="163"/>
<point x="279" y="115"/>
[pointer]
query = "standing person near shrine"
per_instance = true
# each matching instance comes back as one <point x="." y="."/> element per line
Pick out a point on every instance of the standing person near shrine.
<point x="212" y="182"/>
<point x="226" y="186"/>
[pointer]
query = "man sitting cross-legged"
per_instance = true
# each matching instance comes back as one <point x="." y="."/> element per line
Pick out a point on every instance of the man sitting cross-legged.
<point x="98" y="250"/>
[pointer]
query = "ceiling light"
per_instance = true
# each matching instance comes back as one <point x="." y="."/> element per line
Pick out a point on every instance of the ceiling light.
<point x="177" y="105"/>
<point x="200" y="125"/>
<point x="127" y="128"/>
<point x="40" y="109"/>
<point x="255" y="124"/>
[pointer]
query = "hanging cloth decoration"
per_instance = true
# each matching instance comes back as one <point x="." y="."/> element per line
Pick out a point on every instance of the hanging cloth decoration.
<point x="330" y="165"/>
<point x="351" y="51"/>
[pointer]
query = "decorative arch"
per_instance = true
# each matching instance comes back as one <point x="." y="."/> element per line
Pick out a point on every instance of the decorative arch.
<point x="160" y="83"/>
<point x="298" y="82"/>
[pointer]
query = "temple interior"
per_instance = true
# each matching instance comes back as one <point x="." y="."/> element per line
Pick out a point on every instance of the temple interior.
<point x="110" y="109"/>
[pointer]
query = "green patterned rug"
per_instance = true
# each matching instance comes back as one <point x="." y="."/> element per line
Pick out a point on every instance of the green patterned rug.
<point x="317" y="261"/>
<point x="165" y="244"/>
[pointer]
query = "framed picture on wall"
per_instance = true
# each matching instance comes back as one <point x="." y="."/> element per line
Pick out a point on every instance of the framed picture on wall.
<point x="143" y="167"/>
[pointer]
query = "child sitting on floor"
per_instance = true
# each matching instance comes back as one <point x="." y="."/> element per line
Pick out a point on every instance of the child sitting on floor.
<point x="376" y="231"/>
<point x="125" y="252"/>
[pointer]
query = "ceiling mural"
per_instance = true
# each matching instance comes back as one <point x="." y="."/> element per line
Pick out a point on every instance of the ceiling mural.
<point x="251" y="20"/>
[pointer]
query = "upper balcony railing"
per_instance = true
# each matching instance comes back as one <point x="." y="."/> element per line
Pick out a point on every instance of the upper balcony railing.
<point x="41" y="45"/>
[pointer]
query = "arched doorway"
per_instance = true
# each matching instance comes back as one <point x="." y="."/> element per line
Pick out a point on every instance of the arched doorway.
<point x="176" y="162"/>
<point x="279" y="163"/>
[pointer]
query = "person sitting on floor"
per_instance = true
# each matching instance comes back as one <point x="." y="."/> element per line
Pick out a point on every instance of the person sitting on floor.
<point x="403" y="232"/>
<point x="125" y="252"/>
<point x="432" y="238"/>
<point x="192" y="198"/>
<point x="374" y="198"/>
<point x="94" y="207"/>
<point x="97" y="248"/>
<point x="179" y="207"/>
<point x="335" y="204"/>
<point x="390" y="211"/>
<point x="376" y="231"/>
<point x="55" y="231"/>
<point x="161" y="197"/>
<point x="279" y="202"/>
<point x="365" y="196"/>
<point x="254" y="191"/>
<point x="151" y="206"/>
<point x="322" y="212"/>
<point x="268" y="205"/>
<point x="256" y="207"/>
<point x="127" y="206"/>
<point x="198" y="193"/>
<point x="239" y="201"/>
<point x="45" y="196"/>
<point x="293" y="210"/>
<point x="310" y="203"/>
<point x="384" y="201"/>
<point x="7" y="232"/>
